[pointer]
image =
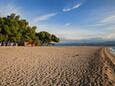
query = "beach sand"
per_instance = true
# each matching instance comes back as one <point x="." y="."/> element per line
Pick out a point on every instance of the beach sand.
<point x="51" y="66"/>
<point x="109" y="66"/>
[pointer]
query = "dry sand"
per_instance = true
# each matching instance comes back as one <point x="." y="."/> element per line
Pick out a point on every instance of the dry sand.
<point x="51" y="66"/>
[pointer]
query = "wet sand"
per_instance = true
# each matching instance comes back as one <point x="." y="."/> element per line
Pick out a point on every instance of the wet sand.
<point x="51" y="66"/>
<point x="109" y="66"/>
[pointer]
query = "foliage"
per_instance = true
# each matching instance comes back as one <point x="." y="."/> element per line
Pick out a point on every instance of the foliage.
<point x="46" y="38"/>
<point x="16" y="30"/>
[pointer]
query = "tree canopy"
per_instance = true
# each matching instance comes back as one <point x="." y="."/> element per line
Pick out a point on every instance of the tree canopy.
<point x="46" y="38"/>
<point x="17" y="31"/>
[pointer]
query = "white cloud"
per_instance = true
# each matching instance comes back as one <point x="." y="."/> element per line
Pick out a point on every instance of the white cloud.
<point x="97" y="24"/>
<point x="45" y="17"/>
<point x="69" y="33"/>
<point x="107" y="25"/>
<point x="78" y="33"/>
<point x="109" y="19"/>
<point x="109" y="35"/>
<point x="72" y="8"/>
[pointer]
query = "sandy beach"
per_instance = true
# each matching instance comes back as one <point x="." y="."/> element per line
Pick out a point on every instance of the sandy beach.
<point x="52" y="66"/>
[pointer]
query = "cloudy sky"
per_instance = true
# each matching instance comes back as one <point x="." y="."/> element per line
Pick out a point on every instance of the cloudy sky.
<point x="68" y="19"/>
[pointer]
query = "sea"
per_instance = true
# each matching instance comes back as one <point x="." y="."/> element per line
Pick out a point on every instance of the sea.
<point x="112" y="49"/>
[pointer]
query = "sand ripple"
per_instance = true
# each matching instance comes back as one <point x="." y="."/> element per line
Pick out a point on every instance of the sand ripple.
<point x="51" y="66"/>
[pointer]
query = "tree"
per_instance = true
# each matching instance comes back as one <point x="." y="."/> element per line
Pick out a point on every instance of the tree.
<point x="16" y="30"/>
<point x="46" y="38"/>
<point x="54" y="38"/>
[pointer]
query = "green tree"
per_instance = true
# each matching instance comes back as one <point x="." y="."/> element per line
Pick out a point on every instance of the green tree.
<point x="54" y="38"/>
<point x="16" y="30"/>
<point x="46" y="38"/>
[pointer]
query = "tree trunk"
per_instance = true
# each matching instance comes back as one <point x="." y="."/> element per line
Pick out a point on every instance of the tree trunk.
<point x="6" y="43"/>
<point x="2" y="43"/>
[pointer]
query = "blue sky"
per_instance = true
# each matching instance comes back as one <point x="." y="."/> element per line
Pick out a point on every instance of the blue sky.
<point x="68" y="19"/>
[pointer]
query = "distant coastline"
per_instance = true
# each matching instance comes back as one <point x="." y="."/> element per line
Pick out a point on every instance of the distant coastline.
<point x="112" y="44"/>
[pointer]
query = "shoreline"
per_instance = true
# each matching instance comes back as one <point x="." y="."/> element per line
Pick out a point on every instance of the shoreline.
<point x="111" y="55"/>
<point x="109" y="65"/>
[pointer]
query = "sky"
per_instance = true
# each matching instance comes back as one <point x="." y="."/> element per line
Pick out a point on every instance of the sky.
<point x="70" y="20"/>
